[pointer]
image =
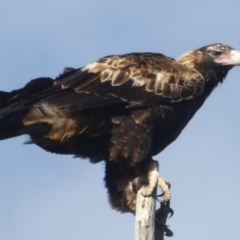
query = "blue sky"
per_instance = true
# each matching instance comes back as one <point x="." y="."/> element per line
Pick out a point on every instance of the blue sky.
<point x="46" y="196"/>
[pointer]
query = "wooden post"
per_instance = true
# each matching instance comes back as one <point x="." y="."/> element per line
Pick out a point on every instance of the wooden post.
<point x="145" y="215"/>
<point x="144" y="219"/>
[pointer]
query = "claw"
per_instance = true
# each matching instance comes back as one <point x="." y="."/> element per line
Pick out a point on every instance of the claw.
<point x="164" y="210"/>
<point x="162" y="200"/>
<point x="147" y="194"/>
<point x="167" y="208"/>
<point x="171" y="212"/>
<point x="160" y="195"/>
<point x="161" y="216"/>
<point x="165" y="228"/>
<point x="168" y="232"/>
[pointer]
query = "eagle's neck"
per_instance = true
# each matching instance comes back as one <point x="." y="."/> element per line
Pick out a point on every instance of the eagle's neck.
<point x="214" y="75"/>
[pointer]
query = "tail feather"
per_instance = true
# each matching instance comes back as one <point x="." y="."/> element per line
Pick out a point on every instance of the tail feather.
<point x="10" y="126"/>
<point x="4" y="96"/>
<point x="15" y="105"/>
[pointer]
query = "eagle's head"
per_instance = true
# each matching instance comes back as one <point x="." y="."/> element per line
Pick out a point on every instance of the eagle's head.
<point x="219" y="55"/>
<point x="212" y="61"/>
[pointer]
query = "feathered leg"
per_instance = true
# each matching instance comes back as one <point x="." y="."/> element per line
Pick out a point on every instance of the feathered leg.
<point x="155" y="179"/>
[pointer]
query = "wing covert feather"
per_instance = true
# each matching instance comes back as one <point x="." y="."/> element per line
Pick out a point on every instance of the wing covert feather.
<point x="139" y="79"/>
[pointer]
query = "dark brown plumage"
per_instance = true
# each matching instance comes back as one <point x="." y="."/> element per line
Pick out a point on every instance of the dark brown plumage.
<point x="121" y="109"/>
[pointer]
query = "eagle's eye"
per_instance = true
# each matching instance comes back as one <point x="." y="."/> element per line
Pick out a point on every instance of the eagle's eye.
<point x="216" y="53"/>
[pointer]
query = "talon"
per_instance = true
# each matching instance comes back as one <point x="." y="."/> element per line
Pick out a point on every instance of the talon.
<point x="166" y="205"/>
<point x="160" y="225"/>
<point x="164" y="199"/>
<point x="147" y="194"/>
<point x="168" y="232"/>
<point x="165" y="228"/>
<point x="160" y="195"/>
<point x="171" y="212"/>
<point x="161" y="216"/>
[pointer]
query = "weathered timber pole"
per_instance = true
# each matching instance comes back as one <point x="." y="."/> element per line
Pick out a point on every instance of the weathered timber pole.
<point x="145" y="215"/>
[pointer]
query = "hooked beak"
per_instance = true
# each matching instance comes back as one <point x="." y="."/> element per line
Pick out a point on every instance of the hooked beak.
<point x="231" y="58"/>
<point x="235" y="57"/>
